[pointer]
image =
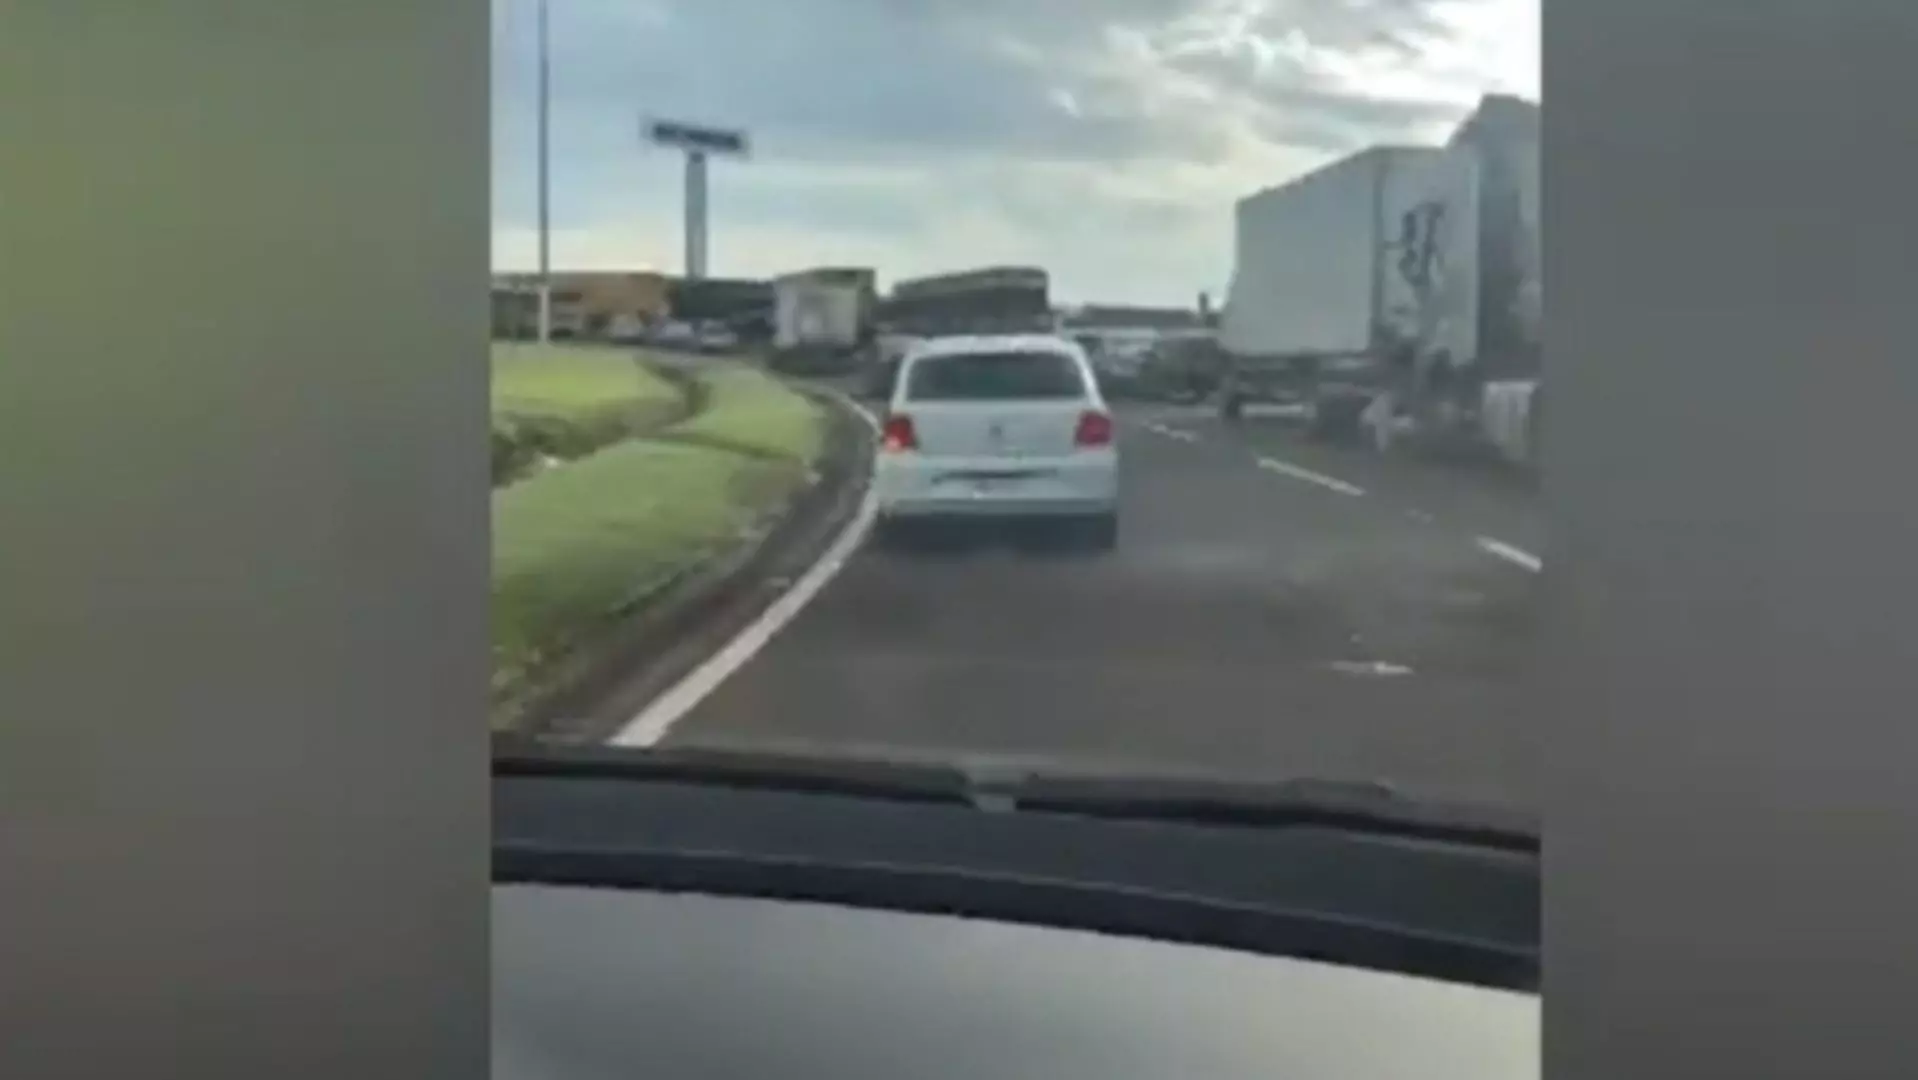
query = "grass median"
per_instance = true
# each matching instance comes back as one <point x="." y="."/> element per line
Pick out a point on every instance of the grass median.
<point x="755" y="414"/>
<point x="560" y="402"/>
<point x="576" y="546"/>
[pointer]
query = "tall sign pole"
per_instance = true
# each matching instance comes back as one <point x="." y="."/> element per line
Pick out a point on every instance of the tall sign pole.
<point x="695" y="214"/>
<point x="545" y="185"/>
<point x="698" y="144"/>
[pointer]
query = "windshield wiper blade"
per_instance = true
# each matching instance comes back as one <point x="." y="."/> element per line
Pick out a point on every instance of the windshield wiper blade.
<point x="1370" y="806"/>
<point x="1367" y="806"/>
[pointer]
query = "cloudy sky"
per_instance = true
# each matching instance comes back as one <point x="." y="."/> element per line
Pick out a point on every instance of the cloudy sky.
<point x="1103" y="139"/>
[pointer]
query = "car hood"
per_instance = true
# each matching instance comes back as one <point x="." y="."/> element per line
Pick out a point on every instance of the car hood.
<point x="592" y="984"/>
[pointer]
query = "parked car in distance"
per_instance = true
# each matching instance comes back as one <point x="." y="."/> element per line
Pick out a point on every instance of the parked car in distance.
<point x="674" y="334"/>
<point x="716" y="337"/>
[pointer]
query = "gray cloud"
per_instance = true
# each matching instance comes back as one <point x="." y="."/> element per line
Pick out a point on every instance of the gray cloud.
<point x="870" y="80"/>
<point x="827" y="80"/>
<point x="897" y="118"/>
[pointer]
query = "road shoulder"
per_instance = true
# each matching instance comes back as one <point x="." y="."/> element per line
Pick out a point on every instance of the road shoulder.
<point x="690" y="618"/>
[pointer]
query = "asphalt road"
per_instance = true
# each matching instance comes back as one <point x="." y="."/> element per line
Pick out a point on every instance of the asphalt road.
<point x="1274" y="609"/>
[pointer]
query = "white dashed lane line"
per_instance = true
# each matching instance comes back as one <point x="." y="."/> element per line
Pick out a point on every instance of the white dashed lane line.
<point x="1498" y="549"/>
<point x="1172" y="432"/>
<point x="1296" y="472"/>
<point x="1516" y="556"/>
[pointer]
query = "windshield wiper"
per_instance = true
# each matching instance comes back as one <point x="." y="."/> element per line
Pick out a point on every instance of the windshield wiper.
<point x="1001" y="788"/>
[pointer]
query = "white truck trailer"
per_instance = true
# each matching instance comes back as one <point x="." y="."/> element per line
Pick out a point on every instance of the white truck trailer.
<point x="1315" y="315"/>
<point x="1476" y="376"/>
<point x="818" y="324"/>
<point x="1396" y="292"/>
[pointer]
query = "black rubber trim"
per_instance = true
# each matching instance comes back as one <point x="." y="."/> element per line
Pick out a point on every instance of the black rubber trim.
<point x="1202" y="802"/>
<point x="1446" y="911"/>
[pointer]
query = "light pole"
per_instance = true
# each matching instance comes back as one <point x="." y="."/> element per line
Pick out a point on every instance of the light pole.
<point x="545" y="181"/>
<point x="698" y="143"/>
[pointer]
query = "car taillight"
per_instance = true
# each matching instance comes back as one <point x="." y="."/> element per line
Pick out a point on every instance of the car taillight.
<point x="1095" y="429"/>
<point x="898" y="434"/>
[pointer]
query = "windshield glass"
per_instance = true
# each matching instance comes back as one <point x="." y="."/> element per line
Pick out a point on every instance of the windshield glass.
<point x="1005" y="376"/>
<point x="1298" y="246"/>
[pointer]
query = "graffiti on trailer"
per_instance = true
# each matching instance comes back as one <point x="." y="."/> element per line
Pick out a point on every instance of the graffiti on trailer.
<point x="1421" y="258"/>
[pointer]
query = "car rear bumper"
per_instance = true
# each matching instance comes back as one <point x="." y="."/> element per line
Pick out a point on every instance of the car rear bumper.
<point x="1080" y="485"/>
<point x="995" y="509"/>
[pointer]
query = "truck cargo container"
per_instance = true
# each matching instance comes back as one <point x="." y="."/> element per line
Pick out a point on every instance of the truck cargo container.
<point x="1476" y="376"/>
<point x="1389" y="292"/>
<point x="819" y="324"/>
<point x="1314" y="314"/>
<point x="995" y="299"/>
<point x="989" y="300"/>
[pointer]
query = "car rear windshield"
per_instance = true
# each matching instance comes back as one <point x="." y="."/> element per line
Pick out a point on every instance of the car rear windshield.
<point x="996" y="376"/>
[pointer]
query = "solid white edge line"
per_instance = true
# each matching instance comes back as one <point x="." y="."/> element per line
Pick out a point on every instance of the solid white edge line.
<point x="1310" y="477"/>
<point x="669" y="708"/>
<point x="1513" y="555"/>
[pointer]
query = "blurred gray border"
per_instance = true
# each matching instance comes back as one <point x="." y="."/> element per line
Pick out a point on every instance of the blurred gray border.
<point x="1732" y="261"/>
<point x="243" y="539"/>
<point x="242" y="789"/>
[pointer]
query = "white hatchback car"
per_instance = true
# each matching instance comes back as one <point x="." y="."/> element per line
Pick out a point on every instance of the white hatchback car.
<point x="1002" y="427"/>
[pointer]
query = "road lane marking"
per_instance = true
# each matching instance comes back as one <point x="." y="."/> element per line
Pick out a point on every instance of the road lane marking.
<point x="1380" y="669"/>
<point x="1421" y="516"/>
<point x="1298" y="473"/>
<point x="669" y="708"/>
<point x="1171" y="432"/>
<point x="1515" y="556"/>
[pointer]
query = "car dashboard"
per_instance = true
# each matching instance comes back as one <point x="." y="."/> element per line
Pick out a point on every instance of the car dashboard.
<point x="667" y="927"/>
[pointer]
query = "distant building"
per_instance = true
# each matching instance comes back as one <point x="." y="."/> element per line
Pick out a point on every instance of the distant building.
<point x="584" y="303"/>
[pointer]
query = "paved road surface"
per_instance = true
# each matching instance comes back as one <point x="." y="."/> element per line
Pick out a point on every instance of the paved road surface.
<point x="1234" y="630"/>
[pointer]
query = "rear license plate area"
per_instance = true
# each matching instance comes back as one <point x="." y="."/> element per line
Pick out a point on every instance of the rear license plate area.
<point x="979" y="482"/>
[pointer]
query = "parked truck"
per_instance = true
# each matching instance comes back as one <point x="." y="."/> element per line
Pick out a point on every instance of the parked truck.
<point x="1314" y="316"/>
<point x="1395" y="294"/>
<point x="1477" y="376"/>
<point x="820" y="324"/>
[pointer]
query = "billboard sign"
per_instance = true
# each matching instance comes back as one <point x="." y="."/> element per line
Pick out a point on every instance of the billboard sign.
<point x="694" y="137"/>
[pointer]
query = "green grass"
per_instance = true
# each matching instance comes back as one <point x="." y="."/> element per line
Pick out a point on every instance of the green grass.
<point x="757" y="414"/>
<point x="574" y="543"/>
<point x="566" y="401"/>
<point x="560" y="380"/>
